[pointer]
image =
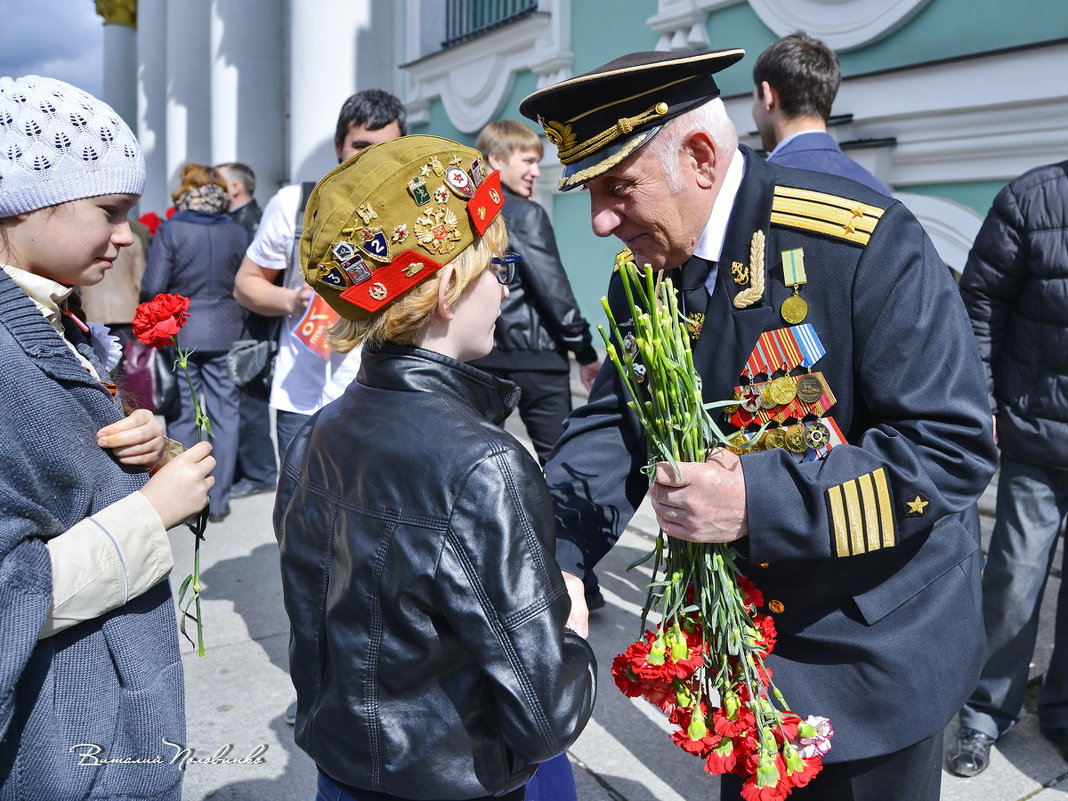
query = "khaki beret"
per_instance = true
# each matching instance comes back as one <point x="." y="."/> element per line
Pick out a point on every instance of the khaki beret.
<point x="391" y="216"/>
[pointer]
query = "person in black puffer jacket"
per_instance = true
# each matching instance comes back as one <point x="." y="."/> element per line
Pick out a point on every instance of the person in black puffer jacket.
<point x="1015" y="286"/>
<point x="429" y="650"/>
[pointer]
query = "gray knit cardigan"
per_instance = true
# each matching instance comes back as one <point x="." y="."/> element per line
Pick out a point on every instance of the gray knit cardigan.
<point x="115" y="682"/>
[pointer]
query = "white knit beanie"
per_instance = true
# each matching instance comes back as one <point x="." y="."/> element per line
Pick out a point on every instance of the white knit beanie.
<point x="58" y="143"/>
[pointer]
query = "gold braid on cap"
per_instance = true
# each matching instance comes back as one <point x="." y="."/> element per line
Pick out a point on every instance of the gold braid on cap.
<point x="623" y="127"/>
<point x="747" y="297"/>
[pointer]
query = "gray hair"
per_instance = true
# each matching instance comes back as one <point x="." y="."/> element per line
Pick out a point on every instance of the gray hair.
<point x="667" y="142"/>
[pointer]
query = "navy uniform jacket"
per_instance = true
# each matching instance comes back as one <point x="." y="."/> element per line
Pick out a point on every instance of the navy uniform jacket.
<point x="817" y="150"/>
<point x="880" y="628"/>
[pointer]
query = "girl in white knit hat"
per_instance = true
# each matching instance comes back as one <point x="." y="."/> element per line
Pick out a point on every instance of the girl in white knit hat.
<point x="89" y="670"/>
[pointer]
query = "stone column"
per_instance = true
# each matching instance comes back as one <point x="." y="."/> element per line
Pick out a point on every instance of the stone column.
<point x="346" y="45"/>
<point x="120" y="57"/>
<point x="151" y="77"/>
<point x="188" y="32"/>
<point x="247" y="88"/>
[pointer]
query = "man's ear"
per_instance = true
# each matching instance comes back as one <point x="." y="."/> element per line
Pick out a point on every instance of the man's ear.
<point x="769" y="97"/>
<point x="446" y="278"/>
<point x="495" y="161"/>
<point x="702" y="150"/>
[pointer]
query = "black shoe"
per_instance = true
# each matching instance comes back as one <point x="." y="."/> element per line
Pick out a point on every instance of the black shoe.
<point x="594" y="601"/>
<point x="245" y="489"/>
<point x="972" y="754"/>
<point x="291" y="713"/>
<point x="1058" y="735"/>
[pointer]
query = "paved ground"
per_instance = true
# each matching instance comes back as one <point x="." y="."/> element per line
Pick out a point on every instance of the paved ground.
<point x="237" y="694"/>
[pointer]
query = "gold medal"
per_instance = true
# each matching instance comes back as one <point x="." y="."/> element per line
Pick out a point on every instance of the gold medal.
<point x="795" y="438"/>
<point x="809" y="388"/>
<point x="794" y="309"/>
<point x="767" y="396"/>
<point x="775" y="438"/>
<point x="783" y="390"/>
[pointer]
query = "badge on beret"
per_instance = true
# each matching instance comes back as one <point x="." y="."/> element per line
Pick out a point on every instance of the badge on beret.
<point x="373" y="242"/>
<point x="351" y="262"/>
<point x="419" y="192"/>
<point x="335" y="277"/>
<point x="486" y="203"/>
<point x="391" y="281"/>
<point x="436" y="230"/>
<point x="478" y="172"/>
<point x="367" y="213"/>
<point x="400" y="233"/>
<point x="459" y="182"/>
<point x="441" y="194"/>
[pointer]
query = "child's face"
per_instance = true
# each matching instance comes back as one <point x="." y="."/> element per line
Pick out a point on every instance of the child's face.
<point x="476" y="316"/>
<point x="73" y="243"/>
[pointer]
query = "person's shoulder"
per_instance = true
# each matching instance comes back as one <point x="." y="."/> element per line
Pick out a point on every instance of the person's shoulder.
<point x="1037" y="179"/>
<point x="827" y="204"/>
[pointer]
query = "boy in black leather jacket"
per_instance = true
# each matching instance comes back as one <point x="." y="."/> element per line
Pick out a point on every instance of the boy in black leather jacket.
<point x="428" y="651"/>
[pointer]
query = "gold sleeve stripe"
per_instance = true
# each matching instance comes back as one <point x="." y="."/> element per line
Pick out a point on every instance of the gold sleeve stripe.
<point x="825" y="214"/>
<point x="861" y="515"/>
<point x="838" y="521"/>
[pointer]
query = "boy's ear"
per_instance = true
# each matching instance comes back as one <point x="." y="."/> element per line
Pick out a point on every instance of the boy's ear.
<point x="446" y="278"/>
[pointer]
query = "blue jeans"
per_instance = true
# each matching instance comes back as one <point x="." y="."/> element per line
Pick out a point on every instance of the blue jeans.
<point x="255" y="451"/>
<point x="1032" y="503"/>
<point x="286" y="426"/>
<point x="554" y="781"/>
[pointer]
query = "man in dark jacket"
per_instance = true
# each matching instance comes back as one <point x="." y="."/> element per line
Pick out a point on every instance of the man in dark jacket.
<point x="795" y="82"/>
<point x="540" y="320"/>
<point x="872" y="581"/>
<point x="1013" y="287"/>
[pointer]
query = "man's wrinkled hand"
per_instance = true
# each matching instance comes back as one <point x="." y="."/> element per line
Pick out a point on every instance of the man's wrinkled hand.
<point x="704" y="502"/>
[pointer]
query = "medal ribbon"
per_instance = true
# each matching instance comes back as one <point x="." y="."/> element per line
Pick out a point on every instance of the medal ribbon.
<point x="806" y="339"/>
<point x="775" y="350"/>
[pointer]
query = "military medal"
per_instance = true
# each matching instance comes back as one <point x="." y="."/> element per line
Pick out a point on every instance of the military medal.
<point x="816" y="434"/>
<point x="809" y="388"/>
<point x="783" y="390"/>
<point x="775" y="438"/>
<point x="795" y="438"/>
<point x="750" y="398"/>
<point x="375" y="244"/>
<point x="351" y="262"/>
<point x="794" y="309"/>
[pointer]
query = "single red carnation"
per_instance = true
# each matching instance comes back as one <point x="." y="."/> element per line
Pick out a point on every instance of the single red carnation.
<point x="722" y="759"/>
<point x="157" y="322"/>
<point x="151" y="220"/>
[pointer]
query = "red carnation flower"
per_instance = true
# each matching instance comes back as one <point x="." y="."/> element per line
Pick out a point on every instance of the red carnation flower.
<point x="157" y="322"/>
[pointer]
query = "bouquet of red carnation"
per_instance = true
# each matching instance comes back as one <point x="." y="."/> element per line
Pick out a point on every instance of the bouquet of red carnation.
<point x="156" y="323"/>
<point x="703" y="663"/>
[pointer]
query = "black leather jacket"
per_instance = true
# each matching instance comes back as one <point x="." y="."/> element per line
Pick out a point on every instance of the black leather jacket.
<point x="428" y="648"/>
<point x="540" y="320"/>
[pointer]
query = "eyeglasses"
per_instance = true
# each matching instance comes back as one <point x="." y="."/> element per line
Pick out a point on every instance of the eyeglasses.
<point x="505" y="267"/>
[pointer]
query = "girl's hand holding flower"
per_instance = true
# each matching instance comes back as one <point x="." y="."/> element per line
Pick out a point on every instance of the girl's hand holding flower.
<point x="136" y="440"/>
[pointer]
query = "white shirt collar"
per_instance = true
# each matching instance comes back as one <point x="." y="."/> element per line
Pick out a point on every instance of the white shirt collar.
<point x="790" y="138"/>
<point x="47" y="295"/>
<point x="710" y="243"/>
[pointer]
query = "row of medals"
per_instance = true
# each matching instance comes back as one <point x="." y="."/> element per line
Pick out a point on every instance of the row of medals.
<point x="797" y="438"/>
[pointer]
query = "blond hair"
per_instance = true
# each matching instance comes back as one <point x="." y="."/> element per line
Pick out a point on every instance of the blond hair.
<point x="405" y="319"/>
<point x="504" y="137"/>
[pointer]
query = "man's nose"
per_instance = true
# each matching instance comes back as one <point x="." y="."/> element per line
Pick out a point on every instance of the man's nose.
<point x="603" y="218"/>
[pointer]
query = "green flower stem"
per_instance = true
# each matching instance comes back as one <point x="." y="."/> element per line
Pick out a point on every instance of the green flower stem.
<point x="191" y="583"/>
<point x="669" y="404"/>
